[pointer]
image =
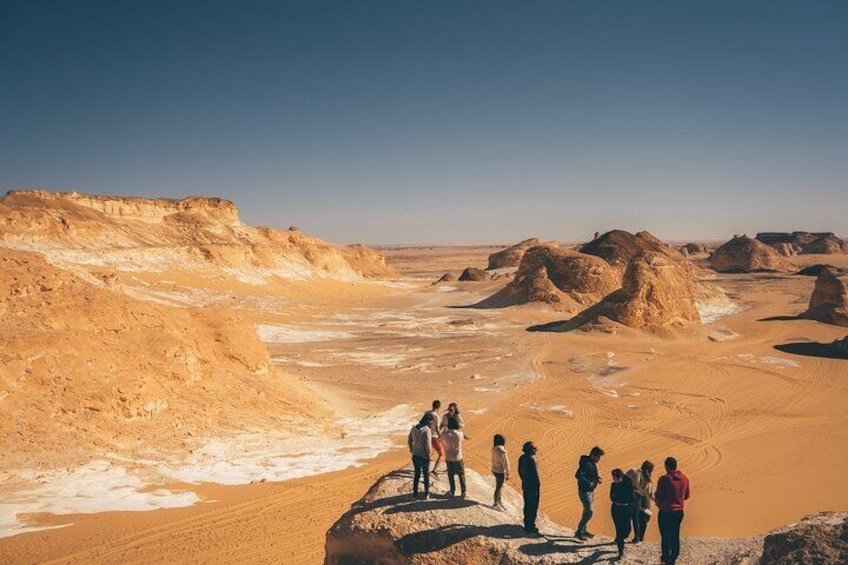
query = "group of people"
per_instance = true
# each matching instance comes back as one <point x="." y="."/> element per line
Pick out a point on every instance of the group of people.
<point x="632" y="493"/>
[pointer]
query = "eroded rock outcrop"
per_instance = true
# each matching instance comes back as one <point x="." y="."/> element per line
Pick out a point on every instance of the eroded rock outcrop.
<point x="446" y="278"/>
<point x="829" y="301"/>
<point x="656" y="293"/>
<point x="619" y="247"/>
<point x="388" y="527"/>
<point x="85" y="366"/>
<point x="827" y="244"/>
<point x="202" y="235"/>
<point x="511" y="256"/>
<point x="474" y="274"/>
<point x="805" y="242"/>
<point x="743" y="254"/>
<point x="567" y="279"/>
<point x="694" y="248"/>
<point x="820" y="539"/>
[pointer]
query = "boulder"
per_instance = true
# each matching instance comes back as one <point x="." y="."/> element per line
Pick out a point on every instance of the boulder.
<point x="511" y="256"/>
<point x="743" y="254"/>
<point x="474" y="274"/>
<point x="567" y="279"/>
<point x="820" y="539"/>
<point x="829" y="301"/>
<point x="619" y="247"/>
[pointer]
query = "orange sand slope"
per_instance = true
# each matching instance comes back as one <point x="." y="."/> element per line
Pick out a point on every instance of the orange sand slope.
<point x="761" y="433"/>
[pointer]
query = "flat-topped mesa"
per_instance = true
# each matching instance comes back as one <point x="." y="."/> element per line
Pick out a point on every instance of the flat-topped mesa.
<point x="137" y="208"/>
<point x="567" y="279"/>
<point x="829" y="301"/>
<point x="511" y="256"/>
<point x="743" y="254"/>
<point x="619" y="247"/>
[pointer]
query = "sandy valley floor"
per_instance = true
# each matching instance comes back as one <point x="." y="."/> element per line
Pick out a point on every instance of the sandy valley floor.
<point x="761" y="432"/>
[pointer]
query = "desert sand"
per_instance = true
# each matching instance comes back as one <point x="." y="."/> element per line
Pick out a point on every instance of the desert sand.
<point x="761" y="432"/>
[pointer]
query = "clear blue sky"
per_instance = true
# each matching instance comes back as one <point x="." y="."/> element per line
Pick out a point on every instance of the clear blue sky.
<point x="442" y="122"/>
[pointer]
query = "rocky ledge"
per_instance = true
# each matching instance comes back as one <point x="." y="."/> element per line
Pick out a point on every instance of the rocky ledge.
<point x="388" y="527"/>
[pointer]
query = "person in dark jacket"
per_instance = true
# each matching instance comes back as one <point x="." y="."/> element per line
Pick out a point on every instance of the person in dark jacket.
<point x="672" y="492"/>
<point x="587" y="480"/>
<point x="530" y="486"/>
<point x="622" y="497"/>
<point x="419" y="440"/>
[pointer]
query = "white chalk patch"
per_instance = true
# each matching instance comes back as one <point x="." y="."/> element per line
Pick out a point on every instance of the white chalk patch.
<point x="479" y="411"/>
<point x="277" y="333"/>
<point x="715" y="310"/>
<point x="447" y="289"/>
<point x="371" y="358"/>
<point x="98" y="486"/>
<point x="769" y="360"/>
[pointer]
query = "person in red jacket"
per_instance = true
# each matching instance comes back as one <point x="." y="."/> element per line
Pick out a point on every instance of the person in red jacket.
<point x="671" y="494"/>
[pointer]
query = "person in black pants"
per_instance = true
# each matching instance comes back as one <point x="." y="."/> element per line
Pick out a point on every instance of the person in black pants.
<point x="530" y="486"/>
<point x="622" y="497"/>
<point x="672" y="494"/>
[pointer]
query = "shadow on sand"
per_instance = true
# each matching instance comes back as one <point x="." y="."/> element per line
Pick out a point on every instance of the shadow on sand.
<point x="813" y="349"/>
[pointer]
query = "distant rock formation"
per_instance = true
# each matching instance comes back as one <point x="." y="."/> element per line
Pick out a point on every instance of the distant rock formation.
<point x="694" y="248"/>
<point x="619" y="247"/>
<point x="202" y="235"/>
<point x="785" y="249"/>
<point x="806" y="242"/>
<point x="828" y="244"/>
<point x="829" y="301"/>
<point x="656" y="293"/>
<point x="743" y="254"/>
<point x="816" y="270"/>
<point x="80" y="361"/>
<point x="822" y="538"/>
<point x="474" y="274"/>
<point x="511" y="256"/>
<point x="446" y="278"/>
<point x="567" y="279"/>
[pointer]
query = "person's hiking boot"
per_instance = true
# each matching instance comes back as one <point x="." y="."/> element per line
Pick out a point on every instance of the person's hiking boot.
<point x="588" y="534"/>
<point x="583" y="536"/>
<point x="451" y="493"/>
<point x="463" y="495"/>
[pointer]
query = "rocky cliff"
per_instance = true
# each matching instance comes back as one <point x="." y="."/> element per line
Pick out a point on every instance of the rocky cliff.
<point x="200" y="235"/>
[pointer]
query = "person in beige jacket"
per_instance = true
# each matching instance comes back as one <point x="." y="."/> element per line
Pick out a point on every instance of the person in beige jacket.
<point x="500" y="468"/>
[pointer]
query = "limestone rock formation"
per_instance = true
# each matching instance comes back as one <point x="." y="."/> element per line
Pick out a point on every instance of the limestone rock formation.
<point x="694" y="248"/>
<point x="785" y="249"/>
<point x="806" y="242"/>
<point x="511" y="256"/>
<point x="567" y="279"/>
<point x="474" y="274"/>
<point x="821" y="539"/>
<point x="826" y="244"/>
<point x="816" y="270"/>
<point x="618" y="247"/>
<point x="388" y="527"/>
<point x="656" y="293"/>
<point x="85" y="366"/>
<point x="202" y="235"/>
<point x="829" y="301"/>
<point x="446" y="278"/>
<point x="743" y="254"/>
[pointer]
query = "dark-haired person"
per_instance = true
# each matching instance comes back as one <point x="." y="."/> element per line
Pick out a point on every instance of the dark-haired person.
<point x="452" y="439"/>
<point x="419" y="440"/>
<point x="672" y="492"/>
<point x="588" y="480"/>
<point x="500" y="468"/>
<point x="643" y="486"/>
<point x="452" y="412"/>
<point x="622" y="497"/>
<point x="530" y="486"/>
<point x="435" y="426"/>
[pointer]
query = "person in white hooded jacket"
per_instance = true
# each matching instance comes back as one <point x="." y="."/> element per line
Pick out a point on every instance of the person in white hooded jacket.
<point x="500" y="468"/>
